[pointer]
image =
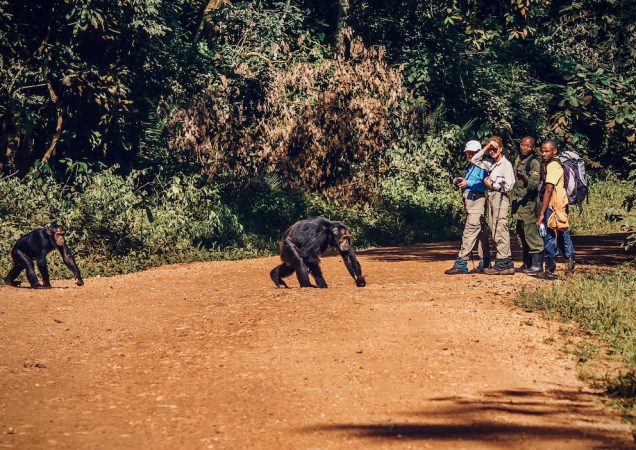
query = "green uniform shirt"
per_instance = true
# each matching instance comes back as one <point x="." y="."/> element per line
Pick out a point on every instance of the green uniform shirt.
<point x="525" y="197"/>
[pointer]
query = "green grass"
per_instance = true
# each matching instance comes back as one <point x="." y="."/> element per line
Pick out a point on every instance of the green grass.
<point x="606" y="209"/>
<point x="604" y="307"/>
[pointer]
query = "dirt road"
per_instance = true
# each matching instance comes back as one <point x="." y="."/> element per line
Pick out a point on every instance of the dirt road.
<point x="211" y="355"/>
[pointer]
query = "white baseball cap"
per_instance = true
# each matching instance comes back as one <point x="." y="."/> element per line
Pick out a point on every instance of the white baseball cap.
<point x="472" y="146"/>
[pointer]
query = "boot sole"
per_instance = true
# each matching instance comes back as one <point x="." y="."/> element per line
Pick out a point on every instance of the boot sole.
<point x="501" y="272"/>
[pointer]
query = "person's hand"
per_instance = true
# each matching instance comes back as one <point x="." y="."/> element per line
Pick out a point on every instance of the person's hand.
<point x="540" y="218"/>
<point x="487" y="182"/>
<point x="522" y="177"/>
<point x="463" y="184"/>
<point x="493" y="148"/>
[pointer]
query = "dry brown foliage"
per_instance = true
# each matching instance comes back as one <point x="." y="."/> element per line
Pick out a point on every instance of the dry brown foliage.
<point x="324" y="126"/>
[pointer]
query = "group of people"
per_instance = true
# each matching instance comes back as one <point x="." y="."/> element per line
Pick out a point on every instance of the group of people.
<point x="533" y="190"/>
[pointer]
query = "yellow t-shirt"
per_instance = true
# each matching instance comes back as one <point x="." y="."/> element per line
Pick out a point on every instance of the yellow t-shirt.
<point x="554" y="174"/>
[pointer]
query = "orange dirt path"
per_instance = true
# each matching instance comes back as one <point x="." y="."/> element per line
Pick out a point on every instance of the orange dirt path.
<point x="211" y="355"/>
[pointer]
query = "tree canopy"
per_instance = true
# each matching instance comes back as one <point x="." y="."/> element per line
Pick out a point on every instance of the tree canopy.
<point x="94" y="80"/>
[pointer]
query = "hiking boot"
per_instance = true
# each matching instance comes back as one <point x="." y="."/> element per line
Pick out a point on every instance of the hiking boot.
<point x="527" y="261"/>
<point x="459" y="268"/>
<point x="483" y="264"/>
<point x="550" y="267"/>
<point x="501" y="267"/>
<point x="537" y="264"/>
<point x="570" y="263"/>
<point x="549" y="276"/>
<point x="550" y="264"/>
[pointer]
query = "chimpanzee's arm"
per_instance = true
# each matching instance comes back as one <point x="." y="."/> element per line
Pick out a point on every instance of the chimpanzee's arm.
<point x="353" y="266"/>
<point x="67" y="256"/>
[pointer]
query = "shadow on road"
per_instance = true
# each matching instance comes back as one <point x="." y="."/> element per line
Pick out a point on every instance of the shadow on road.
<point x="519" y="416"/>
<point x="601" y="250"/>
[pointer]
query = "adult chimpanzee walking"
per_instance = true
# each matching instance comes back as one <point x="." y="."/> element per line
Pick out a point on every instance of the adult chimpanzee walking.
<point x="35" y="246"/>
<point x="302" y="245"/>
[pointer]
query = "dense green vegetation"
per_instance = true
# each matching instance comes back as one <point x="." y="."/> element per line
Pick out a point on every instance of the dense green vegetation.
<point x="164" y="131"/>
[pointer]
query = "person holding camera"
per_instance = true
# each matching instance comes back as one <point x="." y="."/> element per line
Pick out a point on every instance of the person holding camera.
<point x="474" y="198"/>
<point x="499" y="182"/>
<point x="525" y="204"/>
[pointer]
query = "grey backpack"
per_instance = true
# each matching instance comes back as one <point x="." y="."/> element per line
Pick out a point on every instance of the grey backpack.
<point x="574" y="177"/>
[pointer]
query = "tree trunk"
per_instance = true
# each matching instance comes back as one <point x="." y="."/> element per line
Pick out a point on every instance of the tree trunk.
<point x="58" y="128"/>
<point x="205" y="18"/>
<point x="341" y="22"/>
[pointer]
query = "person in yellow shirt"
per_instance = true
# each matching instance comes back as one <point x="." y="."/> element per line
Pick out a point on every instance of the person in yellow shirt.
<point x="553" y="214"/>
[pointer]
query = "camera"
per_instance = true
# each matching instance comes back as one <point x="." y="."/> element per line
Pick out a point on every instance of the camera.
<point x="457" y="181"/>
<point x="498" y="184"/>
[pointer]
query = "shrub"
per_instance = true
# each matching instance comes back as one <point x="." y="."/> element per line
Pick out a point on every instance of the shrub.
<point x="323" y="127"/>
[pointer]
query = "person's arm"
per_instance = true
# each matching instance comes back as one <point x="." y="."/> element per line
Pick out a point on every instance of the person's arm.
<point x="476" y="181"/>
<point x="545" y="203"/>
<point x="519" y="173"/>
<point x="509" y="177"/>
<point x="532" y="182"/>
<point x="483" y="161"/>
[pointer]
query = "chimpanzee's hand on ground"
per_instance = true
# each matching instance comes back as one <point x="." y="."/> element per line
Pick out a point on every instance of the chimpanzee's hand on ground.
<point x="79" y="282"/>
<point x="360" y="281"/>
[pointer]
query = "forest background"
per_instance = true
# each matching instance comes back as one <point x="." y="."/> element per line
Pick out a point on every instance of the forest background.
<point x="168" y="131"/>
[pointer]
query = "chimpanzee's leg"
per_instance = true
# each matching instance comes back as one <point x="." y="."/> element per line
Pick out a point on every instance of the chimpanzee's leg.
<point x="314" y="269"/>
<point x="44" y="271"/>
<point x="291" y="255"/>
<point x="25" y="261"/>
<point x="280" y="272"/>
<point x="13" y="274"/>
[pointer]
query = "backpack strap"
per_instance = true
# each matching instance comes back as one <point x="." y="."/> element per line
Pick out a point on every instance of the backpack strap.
<point x="528" y="162"/>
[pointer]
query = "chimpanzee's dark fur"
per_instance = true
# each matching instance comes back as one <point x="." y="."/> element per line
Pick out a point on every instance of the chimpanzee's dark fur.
<point x="302" y="245"/>
<point x="35" y="246"/>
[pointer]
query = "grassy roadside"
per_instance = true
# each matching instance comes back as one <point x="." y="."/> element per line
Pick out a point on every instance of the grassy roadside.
<point x="604" y="307"/>
<point x="605" y="211"/>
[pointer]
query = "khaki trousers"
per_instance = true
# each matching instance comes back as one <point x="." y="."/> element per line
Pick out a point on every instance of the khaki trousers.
<point x="498" y="209"/>
<point x="475" y="229"/>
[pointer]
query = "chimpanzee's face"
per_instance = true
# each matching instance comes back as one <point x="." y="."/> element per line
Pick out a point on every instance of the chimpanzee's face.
<point x="58" y="234"/>
<point x="342" y="237"/>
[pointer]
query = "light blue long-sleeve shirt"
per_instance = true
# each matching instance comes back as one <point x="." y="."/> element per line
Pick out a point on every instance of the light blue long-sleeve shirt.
<point x="475" y="179"/>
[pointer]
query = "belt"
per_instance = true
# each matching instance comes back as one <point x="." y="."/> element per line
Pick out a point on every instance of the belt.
<point x="474" y="195"/>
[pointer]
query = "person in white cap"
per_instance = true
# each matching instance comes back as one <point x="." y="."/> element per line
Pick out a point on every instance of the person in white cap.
<point x="474" y="197"/>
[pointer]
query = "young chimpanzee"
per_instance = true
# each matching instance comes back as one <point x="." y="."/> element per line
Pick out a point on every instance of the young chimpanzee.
<point x="302" y="245"/>
<point x="35" y="246"/>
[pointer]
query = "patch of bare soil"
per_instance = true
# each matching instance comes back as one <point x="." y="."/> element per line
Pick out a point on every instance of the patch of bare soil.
<point x="211" y="355"/>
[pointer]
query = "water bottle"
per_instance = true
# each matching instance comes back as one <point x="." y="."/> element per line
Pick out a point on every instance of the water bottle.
<point x="542" y="230"/>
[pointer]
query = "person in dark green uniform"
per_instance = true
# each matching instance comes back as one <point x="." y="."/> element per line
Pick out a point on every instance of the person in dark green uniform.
<point x="525" y="201"/>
